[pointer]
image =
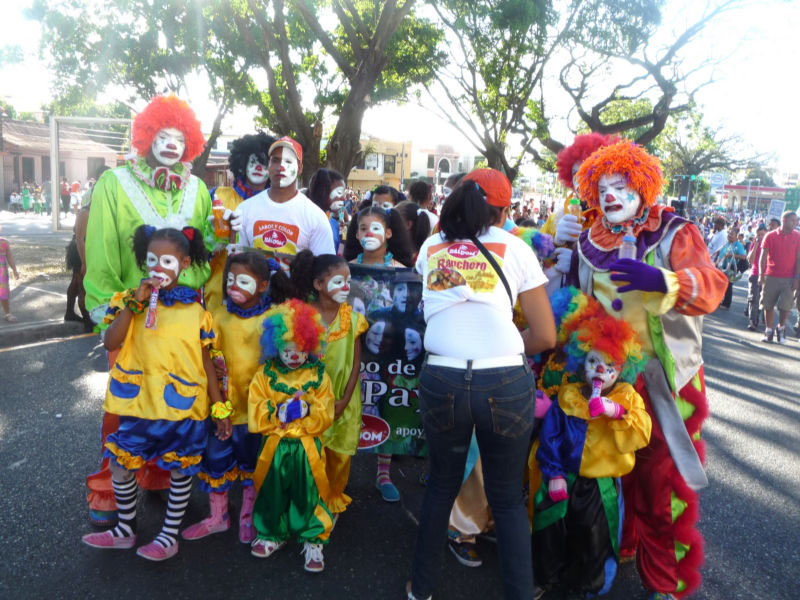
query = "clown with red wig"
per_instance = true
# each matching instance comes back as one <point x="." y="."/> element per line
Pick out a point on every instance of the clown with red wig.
<point x="662" y="294"/>
<point x="587" y="442"/>
<point x="561" y="224"/>
<point x="291" y="403"/>
<point x="154" y="187"/>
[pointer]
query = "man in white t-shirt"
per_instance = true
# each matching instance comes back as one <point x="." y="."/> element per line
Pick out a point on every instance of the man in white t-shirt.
<point x="718" y="238"/>
<point x="281" y="219"/>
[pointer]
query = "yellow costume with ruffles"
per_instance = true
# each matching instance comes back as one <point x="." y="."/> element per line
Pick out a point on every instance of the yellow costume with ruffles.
<point x="341" y="439"/>
<point x="290" y="474"/>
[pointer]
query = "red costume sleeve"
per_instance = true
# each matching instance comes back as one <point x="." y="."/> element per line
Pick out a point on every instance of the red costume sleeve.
<point x="702" y="285"/>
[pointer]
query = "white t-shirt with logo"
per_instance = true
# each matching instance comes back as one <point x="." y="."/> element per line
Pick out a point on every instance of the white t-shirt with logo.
<point x="285" y="228"/>
<point x="466" y="306"/>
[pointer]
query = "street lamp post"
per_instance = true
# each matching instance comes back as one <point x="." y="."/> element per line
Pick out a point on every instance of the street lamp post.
<point x="747" y="202"/>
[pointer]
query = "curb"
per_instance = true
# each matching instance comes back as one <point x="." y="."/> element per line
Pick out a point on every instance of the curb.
<point x="38" y="331"/>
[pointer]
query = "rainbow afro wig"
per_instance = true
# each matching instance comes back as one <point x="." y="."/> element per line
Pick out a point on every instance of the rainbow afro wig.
<point x="293" y="321"/>
<point x="641" y="170"/>
<point x="167" y="112"/>
<point x="583" y="146"/>
<point x="583" y="325"/>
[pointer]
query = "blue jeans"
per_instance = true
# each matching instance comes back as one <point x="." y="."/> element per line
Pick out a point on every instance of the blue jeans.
<point x="499" y="405"/>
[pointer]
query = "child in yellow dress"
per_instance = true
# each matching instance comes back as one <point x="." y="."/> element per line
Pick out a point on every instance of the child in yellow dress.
<point x="159" y="386"/>
<point x="291" y="403"/>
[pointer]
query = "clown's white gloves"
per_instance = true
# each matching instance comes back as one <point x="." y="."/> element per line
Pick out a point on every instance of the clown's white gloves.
<point x="567" y="230"/>
<point x="236" y="218"/>
<point x="563" y="258"/>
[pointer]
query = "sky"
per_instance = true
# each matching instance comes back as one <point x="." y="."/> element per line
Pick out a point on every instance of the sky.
<point x="754" y="91"/>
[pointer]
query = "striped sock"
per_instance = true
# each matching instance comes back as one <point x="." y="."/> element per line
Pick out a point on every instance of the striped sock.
<point x="384" y="463"/>
<point x="125" y="494"/>
<point x="180" y="488"/>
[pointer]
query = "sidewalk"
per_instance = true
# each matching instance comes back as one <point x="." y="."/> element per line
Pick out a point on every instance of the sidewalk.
<point x="38" y="299"/>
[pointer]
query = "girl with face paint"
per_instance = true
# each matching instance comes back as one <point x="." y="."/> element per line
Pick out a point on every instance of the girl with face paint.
<point x="238" y="324"/>
<point x="291" y="402"/>
<point x="162" y="396"/>
<point x="325" y="279"/>
<point x="378" y="237"/>
<point x="587" y="442"/>
<point x="327" y="190"/>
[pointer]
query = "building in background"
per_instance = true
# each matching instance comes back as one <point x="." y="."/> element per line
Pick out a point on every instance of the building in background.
<point x="435" y="164"/>
<point x="383" y="162"/>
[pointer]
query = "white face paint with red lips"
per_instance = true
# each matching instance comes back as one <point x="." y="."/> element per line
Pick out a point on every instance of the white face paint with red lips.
<point x="170" y="267"/>
<point x="289" y="168"/>
<point x="257" y="172"/>
<point x="168" y="146"/>
<point x="597" y="366"/>
<point x="291" y="356"/>
<point x="618" y="200"/>
<point x="238" y="284"/>
<point x="374" y="236"/>
<point x="337" y="198"/>
<point x="339" y="288"/>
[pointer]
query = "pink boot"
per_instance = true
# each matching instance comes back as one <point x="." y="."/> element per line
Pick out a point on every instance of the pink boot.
<point x="217" y="521"/>
<point x="247" y="533"/>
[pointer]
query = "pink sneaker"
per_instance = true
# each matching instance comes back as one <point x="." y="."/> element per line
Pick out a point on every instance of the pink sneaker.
<point x="265" y="548"/>
<point x="206" y="527"/>
<point x="156" y="552"/>
<point x="106" y="540"/>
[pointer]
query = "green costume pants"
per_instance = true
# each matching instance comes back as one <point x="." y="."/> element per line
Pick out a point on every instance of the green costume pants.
<point x="288" y="501"/>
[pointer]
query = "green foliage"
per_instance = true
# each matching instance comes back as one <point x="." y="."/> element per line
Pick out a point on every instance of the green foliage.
<point x="11" y="55"/>
<point x="8" y="109"/>
<point x="764" y="177"/>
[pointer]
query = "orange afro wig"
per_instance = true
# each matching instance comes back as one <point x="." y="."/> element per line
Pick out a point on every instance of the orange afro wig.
<point x="641" y="170"/>
<point x="166" y="112"/>
<point x="583" y="146"/>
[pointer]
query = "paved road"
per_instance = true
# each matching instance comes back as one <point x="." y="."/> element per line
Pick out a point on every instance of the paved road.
<point x="50" y="396"/>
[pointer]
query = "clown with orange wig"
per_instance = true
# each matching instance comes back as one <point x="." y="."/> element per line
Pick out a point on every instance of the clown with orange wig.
<point x="291" y="403"/>
<point x="587" y="442"/>
<point x="662" y="294"/>
<point x="154" y="187"/>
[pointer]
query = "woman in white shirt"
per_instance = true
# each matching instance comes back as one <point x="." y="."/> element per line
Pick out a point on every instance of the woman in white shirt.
<point x="475" y="376"/>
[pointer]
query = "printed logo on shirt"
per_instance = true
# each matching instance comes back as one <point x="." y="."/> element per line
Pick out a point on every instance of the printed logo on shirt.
<point x="461" y="263"/>
<point x="276" y="237"/>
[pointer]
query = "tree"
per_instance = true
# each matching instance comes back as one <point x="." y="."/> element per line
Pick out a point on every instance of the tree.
<point x="688" y="149"/>
<point x="373" y="52"/>
<point x="147" y="48"/>
<point x="756" y="172"/>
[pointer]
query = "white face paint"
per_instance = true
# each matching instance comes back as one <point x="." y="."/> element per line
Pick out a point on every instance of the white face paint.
<point x="413" y="343"/>
<point x="447" y="191"/>
<point x="372" y="234"/>
<point x="168" y="146"/>
<point x="575" y="168"/>
<point x="285" y="167"/>
<point x="339" y="288"/>
<point x="166" y="267"/>
<point x="618" y="200"/>
<point x="292" y="357"/>
<point x="241" y="287"/>
<point x="596" y="366"/>
<point x="387" y="205"/>
<point x="374" y="337"/>
<point x="257" y="171"/>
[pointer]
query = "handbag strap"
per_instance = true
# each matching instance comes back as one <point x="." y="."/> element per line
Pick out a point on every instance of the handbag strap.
<point x="496" y="267"/>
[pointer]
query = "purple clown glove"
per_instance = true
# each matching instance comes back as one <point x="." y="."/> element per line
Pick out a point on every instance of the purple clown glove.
<point x="638" y="276"/>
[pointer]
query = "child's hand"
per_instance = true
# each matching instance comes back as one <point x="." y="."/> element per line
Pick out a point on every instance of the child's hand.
<point x="224" y="429"/>
<point x="292" y="410"/>
<point x="338" y="408"/>
<point x="557" y="489"/>
<point x="611" y="409"/>
<point x="146" y="286"/>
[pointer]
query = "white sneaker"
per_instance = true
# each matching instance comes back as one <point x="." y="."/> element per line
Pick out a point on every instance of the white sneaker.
<point x="768" y="335"/>
<point x="314" y="562"/>
<point x="780" y="335"/>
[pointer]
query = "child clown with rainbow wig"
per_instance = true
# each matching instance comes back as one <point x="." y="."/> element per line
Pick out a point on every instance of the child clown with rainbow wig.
<point x="662" y="294"/>
<point x="587" y="442"/>
<point x="291" y="403"/>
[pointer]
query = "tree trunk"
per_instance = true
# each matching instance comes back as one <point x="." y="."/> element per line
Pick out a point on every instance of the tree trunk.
<point x="344" y="145"/>
<point x="199" y="163"/>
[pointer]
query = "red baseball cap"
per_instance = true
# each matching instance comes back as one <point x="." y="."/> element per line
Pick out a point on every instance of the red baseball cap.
<point x="287" y="142"/>
<point x="494" y="183"/>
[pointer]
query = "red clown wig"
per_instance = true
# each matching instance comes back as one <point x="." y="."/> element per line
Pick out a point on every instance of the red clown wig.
<point x="641" y="170"/>
<point x="583" y="146"/>
<point x="165" y="112"/>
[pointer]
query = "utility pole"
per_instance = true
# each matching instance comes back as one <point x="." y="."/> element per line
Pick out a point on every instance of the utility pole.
<point x="747" y="202"/>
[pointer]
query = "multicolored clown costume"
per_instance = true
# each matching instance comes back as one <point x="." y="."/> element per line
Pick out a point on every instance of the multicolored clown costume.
<point x="587" y="442"/>
<point x="154" y="187"/>
<point x="248" y="162"/>
<point x="670" y="284"/>
<point x="291" y="403"/>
